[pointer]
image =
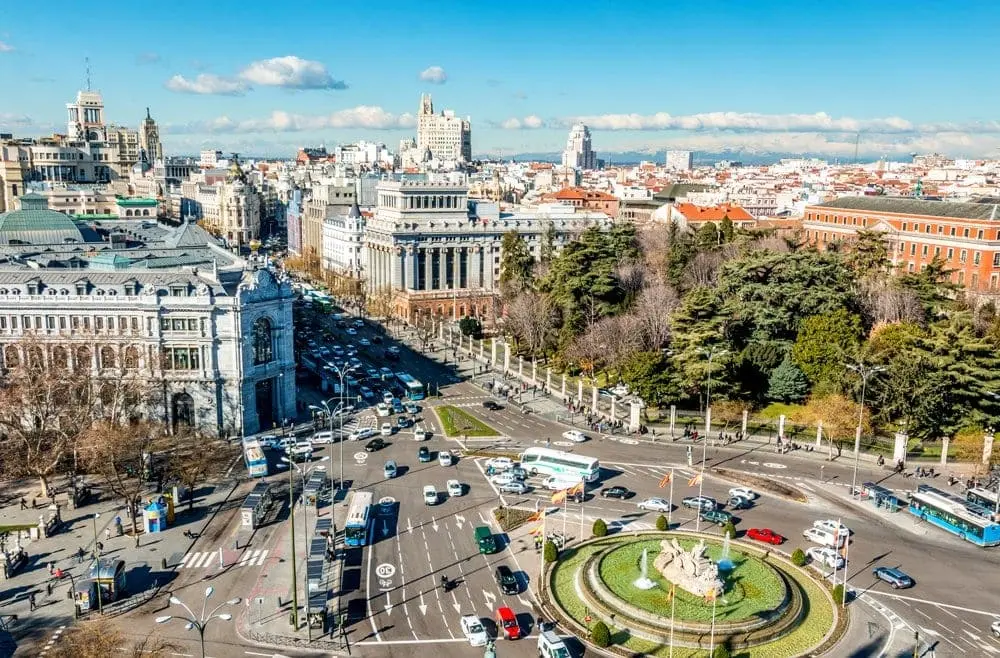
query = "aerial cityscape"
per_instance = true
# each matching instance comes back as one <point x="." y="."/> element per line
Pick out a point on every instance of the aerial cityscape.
<point x="618" y="331"/>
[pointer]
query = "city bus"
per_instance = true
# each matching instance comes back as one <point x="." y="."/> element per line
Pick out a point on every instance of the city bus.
<point x="414" y="389"/>
<point x="360" y="519"/>
<point x="973" y="523"/>
<point x="563" y="464"/>
<point x="255" y="459"/>
<point x="983" y="497"/>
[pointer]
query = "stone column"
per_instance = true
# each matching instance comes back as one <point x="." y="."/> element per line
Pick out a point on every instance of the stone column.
<point x="613" y="400"/>
<point x="987" y="448"/>
<point x="944" y="450"/>
<point x="456" y="267"/>
<point x="441" y="330"/>
<point x="899" y="447"/>
<point x="506" y="358"/>
<point x="471" y="346"/>
<point x="493" y="352"/>
<point x="579" y="391"/>
<point x="781" y="426"/>
<point x="442" y="268"/>
<point x="593" y="400"/>
<point x="475" y="281"/>
<point x="708" y="422"/>
<point x="634" y="416"/>
<point x="520" y="367"/>
<point x="548" y="379"/>
<point x="482" y="348"/>
<point x="563" y="393"/>
<point x="673" y="418"/>
<point x="534" y="372"/>
<point x="412" y="268"/>
<point x="743" y="428"/>
<point x="428" y="260"/>
<point x="819" y="433"/>
<point x="397" y="268"/>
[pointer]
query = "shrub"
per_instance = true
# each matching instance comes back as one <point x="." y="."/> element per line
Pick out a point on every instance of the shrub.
<point x="838" y="594"/>
<point x="729" y="529"/>
<point x="551" y="552"/>
<point x="661" y="523"/>
<point x="600" y="528"/>
<point x="799" y="557"/>
<point x="721" y="651"/>
<point x="600" y="635"/>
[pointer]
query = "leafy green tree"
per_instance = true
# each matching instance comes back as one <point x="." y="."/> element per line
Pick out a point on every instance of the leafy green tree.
<point x="470" y="326"/>
<point x="824" y="345"/>
<point x="721" y="651"/>
<point x="727" y="229"/>
<point x="551" y="552"/>
<point x="515" y="264"/>
<point x="699" y="324"/>
<point x="868" y="255"/>
<point x="600" y="528"/>
<point x="838" y="593"/>
<point x="729" y="529"/>
<point x="787" y="383"/>
<point x="548" y="246"/>
<point x="648" y="375"/>
<point x="600" y="635"/>
<point x="661" y="523"/>
<point x="932" y="286"/>
<point x="799" y="557"/>
<point x="707" y="236"/>
<point x="680" y="251"/>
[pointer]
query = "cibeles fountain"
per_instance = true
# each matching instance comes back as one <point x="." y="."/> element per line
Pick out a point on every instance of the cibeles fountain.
<point x="693" y="572"/>
<point x="644" y="581"/>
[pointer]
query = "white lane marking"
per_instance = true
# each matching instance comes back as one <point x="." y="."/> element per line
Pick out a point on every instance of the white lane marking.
<point x="922" y="612"/>
<point x="369" y="642"/>
<point x="986" y="613"/>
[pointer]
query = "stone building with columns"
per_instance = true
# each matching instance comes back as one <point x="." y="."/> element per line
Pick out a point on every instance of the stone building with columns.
<point x="211" y="335"/>
<point x="438" y="253"/>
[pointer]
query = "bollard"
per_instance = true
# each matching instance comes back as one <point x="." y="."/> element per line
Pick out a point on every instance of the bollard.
<point x="163" y="563"/>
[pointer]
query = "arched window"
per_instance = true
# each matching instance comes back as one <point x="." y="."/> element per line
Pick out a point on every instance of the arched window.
<point x="11" y="357"/>
<point x="59" y="357"/>
<point x="183" y="411"/>
<point x="107" y="357"/>
<point x="83" y="359"/>
<point x="131" y="358"/>
<point x="263" y="349"/>
<point x="145" y="213"/>
<point x="128" y="213"/>
<point x="35" y="359"/>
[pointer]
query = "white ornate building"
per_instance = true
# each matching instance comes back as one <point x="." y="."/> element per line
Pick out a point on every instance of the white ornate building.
<point x="445" y="136"/>
<point x="579" y="154"/>
<point x="213" y="337"/>
<point x="343" y="243"/>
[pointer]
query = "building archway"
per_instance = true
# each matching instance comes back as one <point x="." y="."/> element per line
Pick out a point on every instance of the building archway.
<point x="264" y="394"/>
<point x="182" y="411"/>
<point x="263" y="342"/>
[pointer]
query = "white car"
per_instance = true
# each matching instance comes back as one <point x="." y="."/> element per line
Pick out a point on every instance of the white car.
<point x="556" y="483"/>
<point x="430" y="495"/>
<point x="502" y="478"/>
<point x="832" y="526"/>
<point x="362" y="433"/>
<point x="386" y="429"/>
<point x="364" y="342"/>
<point x="655" y="504"/>
<point x="474" y="631"/>
<point x="500" y="464"/>
<point x="268" y="441"/>
<point x="351" y="331"/>
<point x="995" y="629"/>
<point x="455" y="488"/>
<point x="325" y="436"/>
<point x="445" y="458"/>
<point x="826" y="556"/>
<point x="382" y="409"/>
<point x="743" y="492"/>
<point x="823" y="537"/>
<point x="420" y="434"/>
<point x="576" y="436"/>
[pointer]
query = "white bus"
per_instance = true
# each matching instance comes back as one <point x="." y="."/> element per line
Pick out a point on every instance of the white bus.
<point x="360" y="519"/>
<point x="565" y="465"/>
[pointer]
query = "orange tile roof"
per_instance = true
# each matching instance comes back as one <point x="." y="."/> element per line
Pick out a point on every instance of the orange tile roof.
<point x="571" y="193"/>
<point x="695" y="213"/>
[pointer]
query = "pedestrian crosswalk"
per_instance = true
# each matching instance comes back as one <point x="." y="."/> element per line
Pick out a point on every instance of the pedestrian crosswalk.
<point x="219" y="557"/>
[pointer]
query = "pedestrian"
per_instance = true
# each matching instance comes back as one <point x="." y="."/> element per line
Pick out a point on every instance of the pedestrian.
<point x="48" y="589"/>
<point x="52" y="568"/>
<point x="79" y="554"/>
<point x="24" y="504"/>
<point x="540" y="623"/>
<point x="31" y="602"/>
<point x="107" y="534"/>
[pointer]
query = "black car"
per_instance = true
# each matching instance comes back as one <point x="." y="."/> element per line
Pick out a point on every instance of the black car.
<point x="491" y="405"/>
<point x="375" y="444"/>
<point x="376" y="339"/>
<point x="506" y="580"/>
<point x="616" y="492"/>
<point x="519" y="473"/>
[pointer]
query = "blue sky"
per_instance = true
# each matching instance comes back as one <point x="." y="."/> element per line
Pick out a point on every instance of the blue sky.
<point x="266" y="78"/>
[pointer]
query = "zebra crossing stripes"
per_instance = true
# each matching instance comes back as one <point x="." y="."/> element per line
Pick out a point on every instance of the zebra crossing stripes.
<point x="208" y="559"/>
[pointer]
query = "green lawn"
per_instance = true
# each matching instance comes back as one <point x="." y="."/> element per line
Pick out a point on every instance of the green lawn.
<point x="818" y="618"/>
<point x="457" y="422"/>
<point x="15" y="527"/>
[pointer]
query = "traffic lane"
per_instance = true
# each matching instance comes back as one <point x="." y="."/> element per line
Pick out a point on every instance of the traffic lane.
<point x="513" y="421"/>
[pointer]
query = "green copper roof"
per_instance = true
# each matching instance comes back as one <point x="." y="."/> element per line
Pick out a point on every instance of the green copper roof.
<point x="38" y="227"/>
<point x="109" y="261"/>
<point x="145" y="203"/>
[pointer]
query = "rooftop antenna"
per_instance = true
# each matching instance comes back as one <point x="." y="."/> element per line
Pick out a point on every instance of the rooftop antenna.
<point x="86" y="61"/>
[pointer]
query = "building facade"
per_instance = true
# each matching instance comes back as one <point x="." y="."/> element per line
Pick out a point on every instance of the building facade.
<point x="149" y="139"/>
<point x="444" y="135"/>
<point x="964" y="236"/>
<point x="209" y="337"/>
<point x="230" y="208"/>
<point x="579" y="154"/>
<point x="680" y="160"/>
<point x="343" y="243"/>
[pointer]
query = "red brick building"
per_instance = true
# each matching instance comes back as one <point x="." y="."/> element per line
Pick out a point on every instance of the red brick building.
<point x="965" y="236"/>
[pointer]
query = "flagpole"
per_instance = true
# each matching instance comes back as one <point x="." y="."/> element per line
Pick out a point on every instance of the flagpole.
<point x="670" y="506"/>
<point x="565" y="513"/>
<point x="847" y="550"/>
<point x="712" y="632"/>
<point x="673" y="606"/>
<point x="541" y="555"/>
<point x="582" y="500"/>
<point x="701" y="487"/>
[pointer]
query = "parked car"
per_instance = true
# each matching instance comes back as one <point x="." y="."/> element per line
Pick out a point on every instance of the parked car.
<point x="894" y="576"/>
<point x="556" y="483"/>
<point x="351" y="331"/>
<point x="502" y="478"/>
<point x="826" y="556"/>
<point x="514" y="487"/>
<point x="832" y="526"/>
<point x="519" y="473"/>
<point x="375" y="444"/>
<point x="576" y="436"/>
<point x="361" y="433"/>
<point x="359" y="323"/>
<point x="699" y="502"/>
<point x="491" y="405"/>
<point x="717" y="516"/>
<point x="765" y="535"/>
<point x="506" y="580"/>
<point x="474" y="631"/>
<point x="268" y="441"/>
<point x="367" y="393"/>
<point x="824" y="537"/>
<point x="655" y="505"/>
<point x="616" y="491"/>
<point x="500" y="463"/>
<point x="364" y="342"/>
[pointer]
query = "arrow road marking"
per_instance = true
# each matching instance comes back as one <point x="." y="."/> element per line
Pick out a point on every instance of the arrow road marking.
<point x="434" y="524"/>
<point x="388" y="604"/>
<point x="409" y="526"/>
<point x="385" y="528"/>
<point x="422" y="606"/>
<point x="459" y="520"/>
<point x="490" y="597"/>
<point x="455" y="604"/>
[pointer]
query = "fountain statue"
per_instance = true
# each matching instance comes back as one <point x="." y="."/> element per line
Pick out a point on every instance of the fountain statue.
<point x="725" y="563"/>
<point x="644" y="581"/>
<point x="693" y="572"/>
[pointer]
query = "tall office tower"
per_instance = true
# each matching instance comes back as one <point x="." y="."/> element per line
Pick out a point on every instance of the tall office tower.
<point x="578" y="153"/>
<point x="680" y="160"/>
<point x="444" y="136"/>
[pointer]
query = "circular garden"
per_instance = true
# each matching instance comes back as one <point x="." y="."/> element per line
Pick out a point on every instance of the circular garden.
<point x="768" y="607"/>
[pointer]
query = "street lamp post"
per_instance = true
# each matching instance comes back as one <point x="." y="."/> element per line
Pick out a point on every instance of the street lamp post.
<point x="97" y="560"/>
<point x="341" y="374"/>
<point x="708" y="420"/>
<point x="304" y="474"/>
<point x="865" y="372"/>
<point x="200" y="623"/>
<point x="324" y="407"/>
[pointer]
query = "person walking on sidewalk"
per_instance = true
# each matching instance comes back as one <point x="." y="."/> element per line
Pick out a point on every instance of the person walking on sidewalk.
<point x="31" y="602"/>
<point x="24" y="504"/>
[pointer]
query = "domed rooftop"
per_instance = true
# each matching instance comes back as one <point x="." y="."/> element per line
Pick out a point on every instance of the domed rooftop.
<point x="34" y="223"/>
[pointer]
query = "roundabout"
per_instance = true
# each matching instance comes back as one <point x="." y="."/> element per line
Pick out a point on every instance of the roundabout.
<point x="692" y="592"/>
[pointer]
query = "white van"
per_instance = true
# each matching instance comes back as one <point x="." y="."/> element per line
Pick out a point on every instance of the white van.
<point x="824" y="537"/>
<point x="326" y="436"/>
<point x="551" y="645"/>
<point x="556" y="483"/>
<point x="445" y="458"/>
<point x="430" y="495"/>
<point x="362" y="433"/>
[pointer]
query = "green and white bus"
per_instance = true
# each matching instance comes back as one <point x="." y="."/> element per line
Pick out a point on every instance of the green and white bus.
<point x="563" y="464"/>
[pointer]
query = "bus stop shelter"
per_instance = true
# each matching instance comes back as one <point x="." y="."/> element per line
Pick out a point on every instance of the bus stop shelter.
<point x="880" y="497"/>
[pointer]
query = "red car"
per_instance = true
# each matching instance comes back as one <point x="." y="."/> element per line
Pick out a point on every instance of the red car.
<point x="508" y="623"/>
<point x="765" y="535"/>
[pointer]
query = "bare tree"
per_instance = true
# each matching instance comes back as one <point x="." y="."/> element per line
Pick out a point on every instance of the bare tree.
<point x="631" y="276"/>
<point x="703" y="269"/>
<point x="607" y="343"/>
<point x="885" y="302"/>
<point x="652" y="310"/>
<point x="531" y="318"/>
<point x="101" y="638"/>
<point x="380" y="305"/>
<point x="195" y="456"/>
<point x="654" y="244"/>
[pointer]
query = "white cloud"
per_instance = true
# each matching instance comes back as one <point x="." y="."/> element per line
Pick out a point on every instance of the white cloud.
<point x="6" y="47"/>
<point x="290" y="72"/>
<point x="434" y="75"/>
<point x="750" y="121"/>
<point x="363" y="117"/>
<point x="529" y="122"/>
<point x="207" y="83"/>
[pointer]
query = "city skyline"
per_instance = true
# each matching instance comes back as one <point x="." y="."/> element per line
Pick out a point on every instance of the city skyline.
<point x="787" y="80"/>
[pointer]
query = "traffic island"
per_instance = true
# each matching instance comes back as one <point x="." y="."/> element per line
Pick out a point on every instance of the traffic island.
<point x="761" y="603"/>
<point x="457" y="422"/>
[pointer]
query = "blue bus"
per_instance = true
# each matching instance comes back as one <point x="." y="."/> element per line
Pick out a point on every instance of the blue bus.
<point x="255" y="459"/>
<point x="973" y="523"/>
<point x="414" y="389"/>
<point x="360" y="519"/>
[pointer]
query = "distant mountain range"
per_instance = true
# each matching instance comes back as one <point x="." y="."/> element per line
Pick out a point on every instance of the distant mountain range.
<point x="700" y="157"/>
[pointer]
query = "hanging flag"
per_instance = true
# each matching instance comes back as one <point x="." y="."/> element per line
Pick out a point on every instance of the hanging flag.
<point x="537" y="529"/>
<point x="537" y="516"/>
<point x="559" y="497"/>
<point x="710" y="595"/>
<point x="576" y="489"/>
<point x="693" y="482"/>
<point x="665" y="480"/>
<point x="672" y="592"/>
